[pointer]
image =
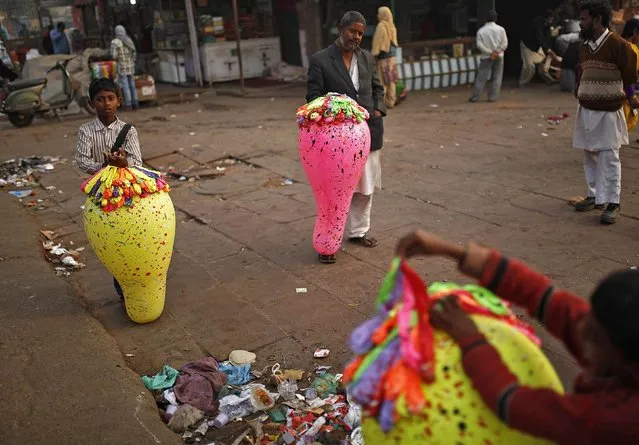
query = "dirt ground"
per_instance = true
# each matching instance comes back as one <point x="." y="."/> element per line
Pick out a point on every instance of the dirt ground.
<point x="494" y="172"/>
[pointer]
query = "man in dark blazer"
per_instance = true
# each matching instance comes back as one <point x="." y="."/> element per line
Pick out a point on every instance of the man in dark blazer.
<point x="345" y="68"/>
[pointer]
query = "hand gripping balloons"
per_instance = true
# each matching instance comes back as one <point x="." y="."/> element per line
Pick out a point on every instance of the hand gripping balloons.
<point x="334" y="143"/>
<point x="130" y="223"/>
<point x="410" y="380"/>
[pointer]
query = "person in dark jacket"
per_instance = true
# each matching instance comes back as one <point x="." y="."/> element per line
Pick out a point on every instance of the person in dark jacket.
<point x="535" y="46"/>
<point x="345" y="68"/>
<point x="47" y="43"/>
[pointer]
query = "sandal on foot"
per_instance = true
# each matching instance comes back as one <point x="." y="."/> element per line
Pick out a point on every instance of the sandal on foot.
<point x="327" y="259"/>
<point x="364" y="241"/>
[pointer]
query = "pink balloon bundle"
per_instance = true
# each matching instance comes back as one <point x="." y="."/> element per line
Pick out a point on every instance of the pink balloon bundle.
<point x="334" y="143"/>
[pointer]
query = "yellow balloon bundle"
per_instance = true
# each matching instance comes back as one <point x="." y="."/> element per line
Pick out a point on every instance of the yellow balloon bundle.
<point x="129" y="220"/>
<point x="114" y="187"/>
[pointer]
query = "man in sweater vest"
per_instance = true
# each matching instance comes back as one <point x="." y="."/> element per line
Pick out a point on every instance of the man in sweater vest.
<point x="606" y="76"/>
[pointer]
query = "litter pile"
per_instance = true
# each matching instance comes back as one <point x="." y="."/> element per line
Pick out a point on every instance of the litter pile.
<point x="210" y="402"/>
<point x="66" y="261"/>
<point x="21" y="172"/>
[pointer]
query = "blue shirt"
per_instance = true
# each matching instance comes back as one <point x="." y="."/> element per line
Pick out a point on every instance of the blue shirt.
<point x="60" y="42"/>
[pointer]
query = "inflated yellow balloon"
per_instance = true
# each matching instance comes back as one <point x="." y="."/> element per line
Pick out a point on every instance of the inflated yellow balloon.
<point x="135" y="244"/>
<point x="456" y="414"/>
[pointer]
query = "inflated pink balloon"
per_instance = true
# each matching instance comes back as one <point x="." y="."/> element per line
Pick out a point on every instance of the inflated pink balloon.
<point x="333" y="154"/>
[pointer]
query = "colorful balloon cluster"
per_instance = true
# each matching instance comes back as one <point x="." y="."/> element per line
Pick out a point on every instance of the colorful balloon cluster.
<point x="396" y="349"/>
<point x="104" y="70"/>
<point x="114" y="187"/>
<point x="331" y="109"/>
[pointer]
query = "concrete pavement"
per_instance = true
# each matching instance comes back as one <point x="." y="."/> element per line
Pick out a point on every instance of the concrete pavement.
<point x="493" y="172"/>
<point x="63" y="379"/>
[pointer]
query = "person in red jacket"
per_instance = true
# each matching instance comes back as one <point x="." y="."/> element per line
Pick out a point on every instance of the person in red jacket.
<point x="602" y="335"/>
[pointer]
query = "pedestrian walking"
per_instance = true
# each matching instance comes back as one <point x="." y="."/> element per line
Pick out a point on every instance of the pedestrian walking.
<point x="345" y="68"/>
<point x="492" y="41"/>
<point x="60" y="40"/>
<point x="606" y="79"/>
<point x="385" y="51"/>
<point x="124" y="52"/>
<point x="47" y="42"/>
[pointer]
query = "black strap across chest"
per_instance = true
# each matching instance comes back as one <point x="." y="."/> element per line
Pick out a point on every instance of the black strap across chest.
<point x="119" y="141"/>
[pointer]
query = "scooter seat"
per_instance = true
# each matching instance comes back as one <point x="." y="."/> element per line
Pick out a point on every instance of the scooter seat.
<point x="27" y="83"/>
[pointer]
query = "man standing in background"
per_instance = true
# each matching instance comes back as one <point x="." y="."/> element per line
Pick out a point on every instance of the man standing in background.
<point x="492" y="41"/>
<point x="535" y="46"/>
<point x="606" y="78"/>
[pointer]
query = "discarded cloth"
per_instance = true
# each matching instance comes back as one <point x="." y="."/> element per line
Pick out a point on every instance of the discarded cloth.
<point x="199" y="383"/>
<point x="162" y="380"/>
<point x="237" y="375"/>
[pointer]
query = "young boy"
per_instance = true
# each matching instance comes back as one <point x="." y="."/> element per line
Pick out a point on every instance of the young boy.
<point x="97" y="138"/>
<point x="603" y="336"/>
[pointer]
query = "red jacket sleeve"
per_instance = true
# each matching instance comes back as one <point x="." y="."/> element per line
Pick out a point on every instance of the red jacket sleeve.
<point x="560" y="311"/>
<point x="544" y="413"/>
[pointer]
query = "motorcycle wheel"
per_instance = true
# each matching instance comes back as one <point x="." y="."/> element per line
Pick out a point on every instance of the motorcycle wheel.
<point x="85" y="104"/>
<point x="21" y="120"/>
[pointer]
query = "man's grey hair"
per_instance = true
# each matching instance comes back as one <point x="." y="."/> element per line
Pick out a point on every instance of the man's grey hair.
<point x="350" y="18"/>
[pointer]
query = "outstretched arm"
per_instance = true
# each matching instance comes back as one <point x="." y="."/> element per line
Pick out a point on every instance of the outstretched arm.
<point x="559" y="310"/>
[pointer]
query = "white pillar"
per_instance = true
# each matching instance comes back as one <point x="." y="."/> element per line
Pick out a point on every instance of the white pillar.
<point x="195" y="50"/>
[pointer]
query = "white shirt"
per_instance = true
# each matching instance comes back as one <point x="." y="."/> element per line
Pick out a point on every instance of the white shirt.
<point x="595" y="45"/>
<point x="354" y="72"/>
<point x="490" y="38"/>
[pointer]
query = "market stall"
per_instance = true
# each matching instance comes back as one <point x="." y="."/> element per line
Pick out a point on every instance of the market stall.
<point x="216" y="41"/>
<point x="436" y="38"/>
<point x="438" y="46"/>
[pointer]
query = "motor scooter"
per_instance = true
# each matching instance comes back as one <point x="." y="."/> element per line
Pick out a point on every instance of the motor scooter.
<point x="24" y="99"/>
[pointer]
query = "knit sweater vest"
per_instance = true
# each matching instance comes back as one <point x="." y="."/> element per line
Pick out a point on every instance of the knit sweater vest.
<point x="605" y="74"/>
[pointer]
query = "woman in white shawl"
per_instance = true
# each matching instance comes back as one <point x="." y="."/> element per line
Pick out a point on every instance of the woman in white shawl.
<point x="123" y="51"/>
<point x="384" y="49"/>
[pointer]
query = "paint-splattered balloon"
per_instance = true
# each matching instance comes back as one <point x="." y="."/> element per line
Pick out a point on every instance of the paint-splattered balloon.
<point x="135" y="243"/>
<point x="333" y="155"/>
<point x="455" y="413"/>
